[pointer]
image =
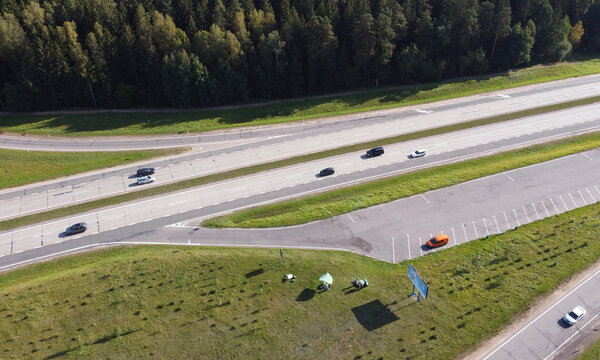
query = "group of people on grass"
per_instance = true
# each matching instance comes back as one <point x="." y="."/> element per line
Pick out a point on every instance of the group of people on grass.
<point x="358" y="283"/>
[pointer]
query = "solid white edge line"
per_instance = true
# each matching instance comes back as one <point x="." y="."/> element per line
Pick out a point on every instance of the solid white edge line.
<point x="386" y="174"/>
<point x="179" y="244"/>
<point x="542" y="314"/>
<point x="46" y="256"/>
<point x="570" y="337"/>
<point x="349" y="182"/>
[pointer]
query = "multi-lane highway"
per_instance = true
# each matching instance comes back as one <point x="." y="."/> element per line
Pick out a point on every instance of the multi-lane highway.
<point x="237" y="148"/>
<point x="391" y="232"/>
<point x="33" y="199"/>
<point x="233" y="149"/>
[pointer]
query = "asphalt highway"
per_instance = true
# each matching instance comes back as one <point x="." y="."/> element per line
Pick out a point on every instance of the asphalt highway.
<point x="396" y="231"/>
<point x="225" y="150"/>
<point x="467" y="211"/>
<point x="443" y="112"/>
<point x="391" y="232"/>
<point x="39" y="198"/>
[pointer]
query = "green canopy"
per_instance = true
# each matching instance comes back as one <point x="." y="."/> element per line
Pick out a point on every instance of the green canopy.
<point x="326" y="278"/>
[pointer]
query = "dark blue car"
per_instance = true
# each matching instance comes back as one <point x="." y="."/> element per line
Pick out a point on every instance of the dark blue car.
<point x="76" y="228"/>
<point x="376" y="151"/>
<point x="144" y="172"/>
<point x="327" y="171"/>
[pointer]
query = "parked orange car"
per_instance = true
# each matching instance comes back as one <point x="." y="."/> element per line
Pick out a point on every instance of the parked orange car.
<point x="437" y="241"/>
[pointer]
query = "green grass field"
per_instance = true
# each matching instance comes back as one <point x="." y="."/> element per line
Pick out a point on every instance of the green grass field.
<point x="26" y="167"/>
<point x="140" y="123"/>
<point x="224" y="303"/>
<point x="344" y="200"/>
<point x="592" y="353"/>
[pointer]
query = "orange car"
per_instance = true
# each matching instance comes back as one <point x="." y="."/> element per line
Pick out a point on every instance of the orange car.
<point x="437" y="241"/>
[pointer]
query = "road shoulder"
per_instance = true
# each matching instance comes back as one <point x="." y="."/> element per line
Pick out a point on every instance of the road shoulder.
<point x="534" y="310"/>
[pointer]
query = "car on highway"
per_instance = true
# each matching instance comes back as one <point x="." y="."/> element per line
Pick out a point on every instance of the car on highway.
<point x="326" y="171"/>
<point x="437" y="241"/>
<point x="144" y="172"/>
<point x="76" y="228"/>
<point x="574" y="315"/>
<point x="145" y="180"/>
<point x="418" y="153"/>
<point x="376" y="151"/>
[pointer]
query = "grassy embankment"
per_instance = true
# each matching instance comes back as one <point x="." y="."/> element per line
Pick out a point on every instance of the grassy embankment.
<point x="190" y="302"/>
<point x="70" y="210"/>
<point x="143" y="123"/>
<point x="592" y="353"/>
<point x="26" y="167"/>
<point x="344" y="200"/>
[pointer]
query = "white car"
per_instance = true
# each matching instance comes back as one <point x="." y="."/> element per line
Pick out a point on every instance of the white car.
<point x="145" y="180"/>
<point x="418" y="153"/>
<point x="572" y="316"/>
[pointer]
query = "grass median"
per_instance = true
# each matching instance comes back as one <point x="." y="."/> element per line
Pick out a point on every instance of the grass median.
<point x="191" y="302"/>
<point x="148" y="123"/>
<point x="337" y="202"/>
<point x="154" y="191"/>
<point x="26" y="167"/>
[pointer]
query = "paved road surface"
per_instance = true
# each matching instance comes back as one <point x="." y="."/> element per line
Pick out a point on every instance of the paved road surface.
<point x="548" y="336"/>
<point x="394" y="232"/>
<point x="391" y="232"/>
<point x="450" y="111"/>
<point x="516" y="132"/>
<point x="226" y="150"/>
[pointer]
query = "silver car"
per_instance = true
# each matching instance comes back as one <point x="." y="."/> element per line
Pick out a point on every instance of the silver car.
<point x="145" y="180"/>
<point x="418" y="153"/>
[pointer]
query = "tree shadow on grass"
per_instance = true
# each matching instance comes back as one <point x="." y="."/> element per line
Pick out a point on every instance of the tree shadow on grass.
<point x="73" y="123"/>
<point x="110" y="337"/>
<point x="306" y="295"/>
<point x="254" y="273"/>
<point x="374" y="315"/>
<point x="230" y="115"/>
<point x="60" y="354"/>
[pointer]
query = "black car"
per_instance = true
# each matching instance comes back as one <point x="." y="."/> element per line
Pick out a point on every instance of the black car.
<point x="327" y="171"/>
<point x="145" y="172"/>
<point x="76" y="228"/>
<point x="376" y="151"/>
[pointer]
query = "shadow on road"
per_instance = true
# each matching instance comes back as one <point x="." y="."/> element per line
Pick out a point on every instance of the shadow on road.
<point x="563" y="324"/>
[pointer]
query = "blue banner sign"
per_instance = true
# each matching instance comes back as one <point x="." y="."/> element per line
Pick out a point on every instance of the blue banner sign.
<point x="418" y="281"/>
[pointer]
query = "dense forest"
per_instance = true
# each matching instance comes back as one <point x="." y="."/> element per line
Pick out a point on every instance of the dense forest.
<point x="189" y="53"/>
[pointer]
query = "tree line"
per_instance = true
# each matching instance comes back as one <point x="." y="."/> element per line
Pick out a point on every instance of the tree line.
<point x="190" y="53"/>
